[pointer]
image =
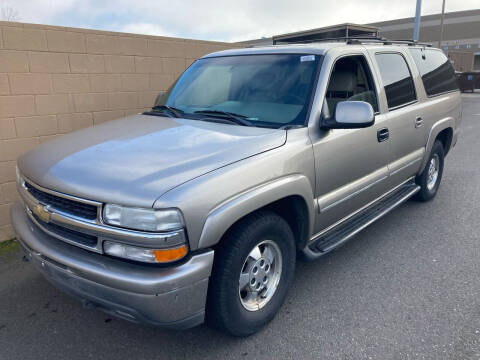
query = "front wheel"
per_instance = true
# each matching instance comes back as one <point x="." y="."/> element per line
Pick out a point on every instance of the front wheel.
<point x="253" y="268"/>
<point x="429" y="179"/>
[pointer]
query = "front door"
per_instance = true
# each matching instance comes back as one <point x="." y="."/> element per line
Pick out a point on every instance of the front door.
<point x="350" y="164"/>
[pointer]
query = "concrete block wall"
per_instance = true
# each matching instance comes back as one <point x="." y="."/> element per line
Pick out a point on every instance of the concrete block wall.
<point x="54" y="80"/>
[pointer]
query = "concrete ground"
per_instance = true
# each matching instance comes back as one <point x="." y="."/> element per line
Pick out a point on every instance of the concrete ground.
<point x="408" y="287"/>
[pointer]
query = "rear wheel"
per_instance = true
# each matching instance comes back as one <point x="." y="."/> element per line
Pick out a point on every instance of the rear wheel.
<point x="253" y="269"/>
<point x="429" y="179"/>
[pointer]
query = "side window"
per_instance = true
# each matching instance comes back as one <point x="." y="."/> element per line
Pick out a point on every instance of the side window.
<point x="396" y="78"/>
<point x="436" y="71"/>
<point x="351" y="80"/>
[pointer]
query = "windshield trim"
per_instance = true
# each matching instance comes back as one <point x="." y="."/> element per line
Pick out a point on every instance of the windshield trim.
<point x="314" y="90"/>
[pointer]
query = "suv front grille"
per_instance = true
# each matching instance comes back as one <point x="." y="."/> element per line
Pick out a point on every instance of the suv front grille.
<point x="68" y="206"/>
<point x="68" y="234"/>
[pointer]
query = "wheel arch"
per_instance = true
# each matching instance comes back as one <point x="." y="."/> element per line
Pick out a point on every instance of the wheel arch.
<point x="443" y="130"/>
<point x="445" y="136"/>
<point x="291" y="197"/>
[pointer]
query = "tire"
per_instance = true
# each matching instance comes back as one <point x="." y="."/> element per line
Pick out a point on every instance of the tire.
<point x="227" y="305"/>
<point x="424" y="180"/>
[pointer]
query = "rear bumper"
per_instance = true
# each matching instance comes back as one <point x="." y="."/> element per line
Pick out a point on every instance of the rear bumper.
<point x="172" y="297"/>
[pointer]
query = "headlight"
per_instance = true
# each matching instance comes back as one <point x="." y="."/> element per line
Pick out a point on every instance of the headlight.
<point x="143" y="219"/>
<point x="144" y="254"/>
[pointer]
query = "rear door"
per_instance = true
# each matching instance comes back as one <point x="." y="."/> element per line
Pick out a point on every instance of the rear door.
<point x="405" y="114"/>
<point x="438" y="84"/>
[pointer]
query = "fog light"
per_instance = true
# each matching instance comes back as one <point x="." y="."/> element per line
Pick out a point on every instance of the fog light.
<point x="144" y="254"/>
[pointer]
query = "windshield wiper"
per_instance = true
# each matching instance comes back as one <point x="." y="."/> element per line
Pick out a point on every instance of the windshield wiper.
<point x="235" y="118"/>
<point x="176" y="112"/>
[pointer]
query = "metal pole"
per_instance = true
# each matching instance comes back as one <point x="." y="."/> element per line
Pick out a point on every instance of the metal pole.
<point x="416" y="29"/>
<point x="441" y="25"/>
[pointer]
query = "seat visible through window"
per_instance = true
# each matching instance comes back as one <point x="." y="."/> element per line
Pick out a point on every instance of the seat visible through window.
<point x="351" y="80"/>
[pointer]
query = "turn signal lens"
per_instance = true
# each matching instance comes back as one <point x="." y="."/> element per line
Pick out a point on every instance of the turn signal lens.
<point x="168" y="255"/>
<point x="144" y="254"/>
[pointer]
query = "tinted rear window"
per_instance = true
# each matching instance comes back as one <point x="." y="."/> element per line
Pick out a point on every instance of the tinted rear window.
<point x="396" y="78"/>
<point x="436" y="71"/>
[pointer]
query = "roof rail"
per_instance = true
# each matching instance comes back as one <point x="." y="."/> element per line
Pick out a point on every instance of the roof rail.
<point x="360" y="40"/>
<point x="409" y="42"/>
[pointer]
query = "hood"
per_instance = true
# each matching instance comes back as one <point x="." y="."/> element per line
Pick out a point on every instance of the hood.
<point x="134" y="160"/>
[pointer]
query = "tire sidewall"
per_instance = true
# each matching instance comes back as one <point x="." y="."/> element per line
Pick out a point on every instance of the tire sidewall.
<point x="240" y="320"/>
<point x="269" y="310"/>
<point x="425" y="193"/>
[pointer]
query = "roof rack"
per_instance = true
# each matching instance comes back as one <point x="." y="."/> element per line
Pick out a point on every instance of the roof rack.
<point x="410" y="42"/>
<point x="355" y="40"/>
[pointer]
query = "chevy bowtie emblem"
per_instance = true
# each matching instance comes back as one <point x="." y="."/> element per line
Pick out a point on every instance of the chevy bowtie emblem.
<point x="42" y="213"/>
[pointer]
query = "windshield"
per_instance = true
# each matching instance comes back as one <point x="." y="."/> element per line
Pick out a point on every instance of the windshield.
<point x="264" y="90"/>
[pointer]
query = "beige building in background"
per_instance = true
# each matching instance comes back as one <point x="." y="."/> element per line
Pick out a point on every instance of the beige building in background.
<point x="54" y="80"/>
<point x="461" y="35"/>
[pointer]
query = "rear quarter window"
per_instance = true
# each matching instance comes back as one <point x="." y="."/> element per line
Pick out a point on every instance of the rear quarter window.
<point x="436" y="71"/>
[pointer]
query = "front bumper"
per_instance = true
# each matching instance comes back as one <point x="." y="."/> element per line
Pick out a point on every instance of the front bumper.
<point x="171" y="297"/>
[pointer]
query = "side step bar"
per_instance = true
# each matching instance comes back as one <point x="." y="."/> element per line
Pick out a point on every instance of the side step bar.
<point x="337" y="236"/>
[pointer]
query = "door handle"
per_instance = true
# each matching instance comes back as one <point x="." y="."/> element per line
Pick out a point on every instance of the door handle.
<point x="382" y="134"/>
<point x="418" y="121"/>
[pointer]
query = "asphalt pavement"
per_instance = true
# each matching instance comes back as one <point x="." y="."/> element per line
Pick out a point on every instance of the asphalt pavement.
<point x="407" y="287"/>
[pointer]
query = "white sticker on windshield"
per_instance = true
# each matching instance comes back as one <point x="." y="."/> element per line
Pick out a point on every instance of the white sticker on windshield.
<point x="307" y="58"/>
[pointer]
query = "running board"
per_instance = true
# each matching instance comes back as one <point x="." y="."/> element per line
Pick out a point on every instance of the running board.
<point x="337" y="236"/>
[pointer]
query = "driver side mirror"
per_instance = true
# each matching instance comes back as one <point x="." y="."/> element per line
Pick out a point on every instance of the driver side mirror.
<point x="350" y="115"/>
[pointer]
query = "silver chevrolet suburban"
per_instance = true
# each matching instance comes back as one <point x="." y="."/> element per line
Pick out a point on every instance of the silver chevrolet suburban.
<point x="198" y="208"/>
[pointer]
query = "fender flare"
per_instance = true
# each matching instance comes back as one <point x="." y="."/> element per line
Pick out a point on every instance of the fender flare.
<point x="222" y="217"/>
<point x="436" y="129"/>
